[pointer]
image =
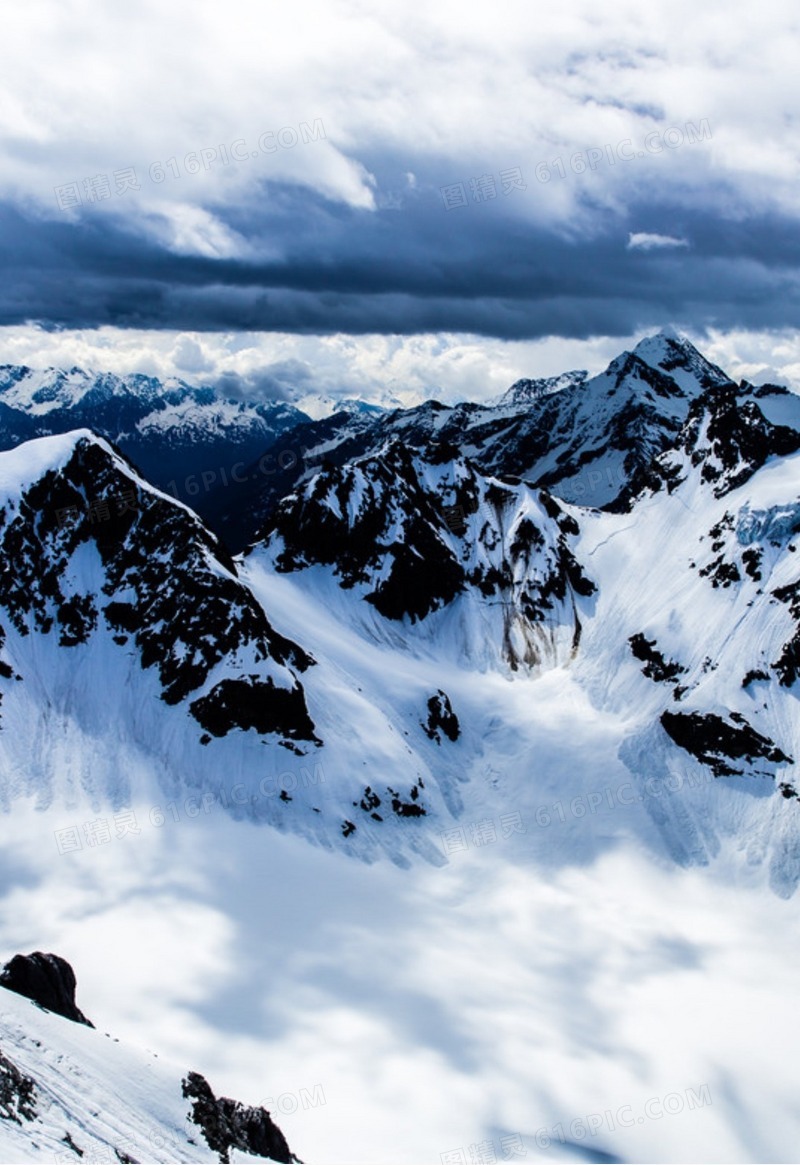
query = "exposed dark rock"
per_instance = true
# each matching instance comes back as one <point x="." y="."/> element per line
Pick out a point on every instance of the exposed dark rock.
<point x="732" y="439"/>
<point x="254" y="703"/>
<point x="370" y="800"/>
<point x="788" y="663"/>
<point x="656" y="666"/>
<point x="410" y="808"/>
<point x="46" y="979"/>
<point x="716" y="743"/>
<point x="68" y="1141"/>
<point x="751" y="557"/>
<point x="441" y="716"/>
<point x="726" y="434"/>
<point x="17" y="1093"/>
<point x="228" y="1124"/>
<point x="721" y="573"/>
<point x="380" y="522"/>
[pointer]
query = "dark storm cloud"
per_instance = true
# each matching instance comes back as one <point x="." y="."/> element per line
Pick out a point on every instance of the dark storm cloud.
<point x="415" y="269"/>
<point x="277" y="381"/>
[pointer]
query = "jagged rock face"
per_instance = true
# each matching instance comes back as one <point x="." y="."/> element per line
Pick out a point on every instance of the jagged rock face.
<point x="656" y="667"/>
<point x="17" y="1093"/>
<point x="46" y="979"/>
<point x="618" y="421"/>
<point x="726" y="437"/>
<point x="731" y="440"/>
<point x="169" y="589"/>
<point x="228" y="1124"/>
<point x="415" y="535"/>
<point x="787" y="665"/>
<point x="721" y="743"/>
<point x="441" y="718"/>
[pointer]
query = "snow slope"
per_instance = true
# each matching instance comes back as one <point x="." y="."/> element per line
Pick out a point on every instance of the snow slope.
<point x="74" y="1093"/>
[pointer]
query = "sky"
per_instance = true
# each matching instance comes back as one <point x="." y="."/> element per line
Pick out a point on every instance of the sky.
<point x="358" y="199"/>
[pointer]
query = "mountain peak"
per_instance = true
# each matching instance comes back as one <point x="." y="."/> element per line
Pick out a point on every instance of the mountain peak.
<point x="668" y="351"/>
<point x="525" y="390"/>
<point x="667" y="341"/>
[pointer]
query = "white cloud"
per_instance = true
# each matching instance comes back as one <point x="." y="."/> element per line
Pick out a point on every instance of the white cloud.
<point x="407" y="369"/>
<point x="642" y="241"/>
<point x="447" y="89"/>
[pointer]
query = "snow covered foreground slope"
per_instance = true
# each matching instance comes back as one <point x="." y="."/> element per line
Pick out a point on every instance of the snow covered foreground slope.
<point x="68" y="1093"/>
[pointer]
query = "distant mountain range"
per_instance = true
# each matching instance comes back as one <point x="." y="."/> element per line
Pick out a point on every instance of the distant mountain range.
<point x="582" y="437"/>
<point x="174" y="432"/>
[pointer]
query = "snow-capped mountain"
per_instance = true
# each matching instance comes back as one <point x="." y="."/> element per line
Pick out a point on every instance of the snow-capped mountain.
<point x="700" y="598"/>
<point x="177" y="434"/>
<point x="137" y="660"/>
<point x="85" y="545"/>
<point x="697" y="571"/>
<point x="318" y="406"/>
<point x="212" y="669"/>
<point x="583" y="439"/>
<point x="69" y="1092"/>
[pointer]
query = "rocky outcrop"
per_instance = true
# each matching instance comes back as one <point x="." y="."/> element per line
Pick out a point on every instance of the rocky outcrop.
<point x="170" y="591"/>
<point x="17" y="1093"/>
<point x="717" y="743"/>
<point x="441" y="716"/>
<point x="46" y="979"/>
<point x="228" y="1124"/>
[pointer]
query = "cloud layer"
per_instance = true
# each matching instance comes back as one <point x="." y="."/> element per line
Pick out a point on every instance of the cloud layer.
<point x="356" y="168"/>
